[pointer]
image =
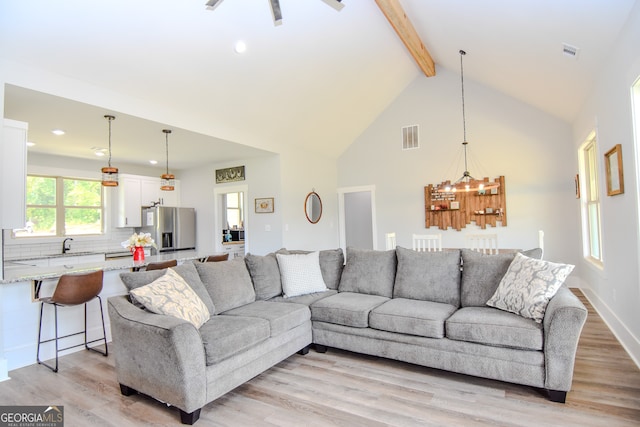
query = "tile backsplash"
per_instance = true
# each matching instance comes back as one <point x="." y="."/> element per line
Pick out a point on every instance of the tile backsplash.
<point x="26" y="250"/>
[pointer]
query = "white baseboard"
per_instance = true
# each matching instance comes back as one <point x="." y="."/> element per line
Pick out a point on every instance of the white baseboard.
<point x="629" y="342"/>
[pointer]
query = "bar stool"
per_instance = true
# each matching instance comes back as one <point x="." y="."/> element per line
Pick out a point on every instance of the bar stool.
<point x="71" y="290"/>
<point x="217" y="258"/>
<point x="161" y="265"/>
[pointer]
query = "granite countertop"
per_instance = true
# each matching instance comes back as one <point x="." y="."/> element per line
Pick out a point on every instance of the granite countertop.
<point x="29" y="273"/>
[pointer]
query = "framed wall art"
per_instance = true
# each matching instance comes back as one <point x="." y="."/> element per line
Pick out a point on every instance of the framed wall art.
<point x="264" y="205"/>
<point x="233" y="174"/>
<point x="615" y="174"/>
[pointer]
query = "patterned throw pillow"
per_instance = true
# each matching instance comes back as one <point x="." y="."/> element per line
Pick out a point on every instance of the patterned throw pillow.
<point x="171" y="295"/>
<point x="528" y="285"/>
<point x="300" y="274"/>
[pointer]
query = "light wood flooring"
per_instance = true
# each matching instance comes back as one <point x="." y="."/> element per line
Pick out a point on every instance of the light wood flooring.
<point x="345" y="389"/>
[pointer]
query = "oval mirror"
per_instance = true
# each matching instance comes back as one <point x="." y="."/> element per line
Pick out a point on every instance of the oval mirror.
<point x="313" y="207"/>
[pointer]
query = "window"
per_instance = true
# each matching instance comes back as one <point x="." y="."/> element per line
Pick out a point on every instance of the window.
<point x="590" y="201"/>
<point x="234" y="210"/>
<point x="58" y="206"/>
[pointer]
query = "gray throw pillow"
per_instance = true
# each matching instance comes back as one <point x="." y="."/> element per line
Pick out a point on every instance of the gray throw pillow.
<point x="186" y="270"/>
<point x="228" y="283"/>
<point x="331" y="264"/>
<point x="265" y="275"/>
<point x="369" y="272"/>
<point x="428" y="276"/>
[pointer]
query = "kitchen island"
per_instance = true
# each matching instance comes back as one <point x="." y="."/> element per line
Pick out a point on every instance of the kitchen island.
<point x="19" y="307"/>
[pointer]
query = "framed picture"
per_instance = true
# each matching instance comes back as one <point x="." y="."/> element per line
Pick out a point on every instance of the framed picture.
<point x="454" y="205"/>
<point x="264" y="205"/>
<point x="233" y="174"/>
<point x="615" y="175"/>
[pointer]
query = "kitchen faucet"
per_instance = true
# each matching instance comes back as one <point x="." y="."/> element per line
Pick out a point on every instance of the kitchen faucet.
<point x="66" y="247"/>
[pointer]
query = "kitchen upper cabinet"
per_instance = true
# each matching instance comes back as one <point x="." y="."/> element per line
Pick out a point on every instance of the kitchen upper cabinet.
<point x="151" y="193"/>
<point x="136" y="191"/>
<point x="13" y="160"/>
<point x="129" y="213"/>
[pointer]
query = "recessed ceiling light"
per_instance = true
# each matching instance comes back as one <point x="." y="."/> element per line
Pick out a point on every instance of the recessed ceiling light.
<point x="30" y="143"/>
<point x="153" y="162"/>
<point x="240" y="46"/>
<point x="57" y="132"/>
<point x="99" y="151"/>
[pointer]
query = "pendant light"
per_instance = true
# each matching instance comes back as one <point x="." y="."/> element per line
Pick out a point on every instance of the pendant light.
<point x="466" y="182"/>
<point x="167" y="182"/>
<point x="109" y="173"/>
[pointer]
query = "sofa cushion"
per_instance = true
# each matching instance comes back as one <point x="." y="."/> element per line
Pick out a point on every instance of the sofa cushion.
<point x="171" y="295"/>
<point x="265" y="275"/>
<point x="369" y="272"/>
<point x="481" y="275"/>
<point x="346" y="308"/>
<point x="331" y="264"/>
<point x="225" y="336"/>
<point x="413" y="317"/>
<point x="300" y="274"/>
<point x="186" y="270"/>
<point x="428" y="276"/>
<point x="228" y="283"/>
<point x="486" y="325"/>
<point x="307" y="299"/>
<point x="281" y="316"/>
<point x="528" y="286"/>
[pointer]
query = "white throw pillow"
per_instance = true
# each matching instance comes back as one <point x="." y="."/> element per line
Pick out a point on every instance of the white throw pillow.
<point x="528" y="285"/>
<point x="171" y="295"/>
<point x="300" y="274"/>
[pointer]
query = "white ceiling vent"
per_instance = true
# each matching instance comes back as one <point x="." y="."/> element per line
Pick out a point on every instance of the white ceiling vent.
<point x="410" y="137"/>
<point x="570" y="51"/>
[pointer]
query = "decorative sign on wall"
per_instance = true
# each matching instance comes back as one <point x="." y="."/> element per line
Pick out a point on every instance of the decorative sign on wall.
<point x="459" y="208"/>
<point x="235" y="173"/>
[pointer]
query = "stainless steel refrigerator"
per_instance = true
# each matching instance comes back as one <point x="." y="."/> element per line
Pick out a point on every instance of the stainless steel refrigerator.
<point x="171" y="228"/>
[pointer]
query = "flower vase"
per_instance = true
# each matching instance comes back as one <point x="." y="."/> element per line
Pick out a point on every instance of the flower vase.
<point x="138" y="253"/>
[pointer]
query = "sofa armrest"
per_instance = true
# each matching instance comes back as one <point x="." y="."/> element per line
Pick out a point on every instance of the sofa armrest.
<point x="563" y="321"/>
<point x="158" y="355"/>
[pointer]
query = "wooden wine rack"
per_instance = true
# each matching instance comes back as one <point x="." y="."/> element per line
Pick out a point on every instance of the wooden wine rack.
<point x="457" y="209"/>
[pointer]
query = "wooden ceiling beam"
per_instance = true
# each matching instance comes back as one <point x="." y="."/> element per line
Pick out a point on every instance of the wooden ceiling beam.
<point x="393" y="11"/>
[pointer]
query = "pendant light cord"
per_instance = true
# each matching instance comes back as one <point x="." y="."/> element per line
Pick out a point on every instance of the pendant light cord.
<point x="464" y="120"/>
<point x="166" y="141"/>
<point x="110" y="119"/>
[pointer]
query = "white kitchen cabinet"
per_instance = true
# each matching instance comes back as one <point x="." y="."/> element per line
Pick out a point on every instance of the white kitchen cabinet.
<point x="235" y="250"/>
<point x="135" y="191"/>
<point x="151" y="192"/>
<point x="13" y="162"/>
<point x="129" y="213"/>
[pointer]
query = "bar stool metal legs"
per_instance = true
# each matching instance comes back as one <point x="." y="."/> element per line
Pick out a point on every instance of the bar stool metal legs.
<point x="57" y="338"/>
<point x="73" y="290"/>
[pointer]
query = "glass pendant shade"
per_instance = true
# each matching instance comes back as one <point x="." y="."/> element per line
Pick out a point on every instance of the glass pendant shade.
<point x="167" y="180"/>
<point x="110" y="177"/>
<point x="109" y="173"/>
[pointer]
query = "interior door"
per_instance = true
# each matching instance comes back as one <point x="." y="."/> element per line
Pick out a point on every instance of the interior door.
<point x="357" y="217"/>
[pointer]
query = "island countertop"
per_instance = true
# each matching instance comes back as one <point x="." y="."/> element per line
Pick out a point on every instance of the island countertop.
<point x="29" y="273"/>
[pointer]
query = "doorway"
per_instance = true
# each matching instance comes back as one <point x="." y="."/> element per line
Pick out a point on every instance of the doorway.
<point x="231" y="230"/>
<point x="357" y="217"/>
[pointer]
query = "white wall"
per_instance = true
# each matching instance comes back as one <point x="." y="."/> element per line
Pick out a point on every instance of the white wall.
<point x="615" y="290"/>
<point x="262" y="180"/>
<point x="530" y="148"/>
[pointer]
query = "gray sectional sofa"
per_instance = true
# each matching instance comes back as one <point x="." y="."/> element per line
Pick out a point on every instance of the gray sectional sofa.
<point x="423" y="308"/>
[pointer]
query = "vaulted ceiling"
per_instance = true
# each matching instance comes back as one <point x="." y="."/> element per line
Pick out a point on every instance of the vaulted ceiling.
<point x="316" y="81"/>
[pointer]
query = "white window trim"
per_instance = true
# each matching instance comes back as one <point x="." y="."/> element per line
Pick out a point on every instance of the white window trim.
<point x="584" y="201"/>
